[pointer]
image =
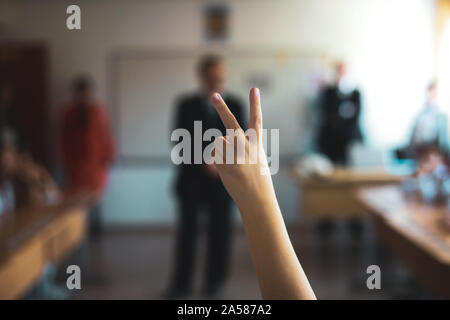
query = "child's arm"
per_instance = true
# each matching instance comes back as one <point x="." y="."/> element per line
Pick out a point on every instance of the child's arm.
<point x="279" y="272"/>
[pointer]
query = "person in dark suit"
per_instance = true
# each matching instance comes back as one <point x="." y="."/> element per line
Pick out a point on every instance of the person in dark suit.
<point x="198" y="186"/>
<point x="340" y="108"/>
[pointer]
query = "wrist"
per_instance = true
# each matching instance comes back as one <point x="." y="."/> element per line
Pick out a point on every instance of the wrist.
<point x="259" y="204"/>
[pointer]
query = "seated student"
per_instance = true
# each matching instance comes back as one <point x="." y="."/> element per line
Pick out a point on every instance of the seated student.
<point x="430" y="160"/>
<point x="23" y="183"/>
<point x="430" y="127"/>
<point x="279" y="272"/>
<point x="429" y="130"/>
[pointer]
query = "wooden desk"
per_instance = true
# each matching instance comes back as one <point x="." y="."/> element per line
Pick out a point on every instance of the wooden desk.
<point x="31" y="238"/>
<point x="333" y="196"/>
<point x="415" y="232"/>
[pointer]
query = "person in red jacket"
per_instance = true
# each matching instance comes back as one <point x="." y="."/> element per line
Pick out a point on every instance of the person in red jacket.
<point x="87" y="148"/>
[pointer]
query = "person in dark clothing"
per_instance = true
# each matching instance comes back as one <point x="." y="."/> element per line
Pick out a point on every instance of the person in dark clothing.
<point x="340" y="108"/>
<point x="198" y="186"/>
<point x="10" y="130"/>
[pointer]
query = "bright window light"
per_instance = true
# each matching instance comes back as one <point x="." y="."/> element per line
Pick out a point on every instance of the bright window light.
<point x="444" y="71"/>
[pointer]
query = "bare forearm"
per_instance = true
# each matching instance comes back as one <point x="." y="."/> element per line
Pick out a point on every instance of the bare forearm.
<point x="279" y="272"/>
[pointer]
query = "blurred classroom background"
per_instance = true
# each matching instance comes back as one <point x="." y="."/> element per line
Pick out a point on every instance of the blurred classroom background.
<point x="369" y="78"/>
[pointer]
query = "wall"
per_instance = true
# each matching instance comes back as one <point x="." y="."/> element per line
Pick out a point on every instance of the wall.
<point x="390" y="45"/>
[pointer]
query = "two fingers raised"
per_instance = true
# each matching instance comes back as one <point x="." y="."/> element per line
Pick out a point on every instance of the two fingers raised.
<point x="227" y="117"/>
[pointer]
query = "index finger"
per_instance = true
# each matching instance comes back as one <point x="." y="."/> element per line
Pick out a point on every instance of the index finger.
<point x="255" y="111"/>
<point x="227" y="117"/>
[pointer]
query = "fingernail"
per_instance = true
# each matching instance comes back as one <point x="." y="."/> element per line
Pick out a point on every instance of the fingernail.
<point x="256" y="91"/>
<point x="216" y="97"/>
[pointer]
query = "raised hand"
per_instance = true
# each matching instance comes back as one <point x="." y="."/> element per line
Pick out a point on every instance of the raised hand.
<point x="240" y="157"/>
<point x="246" y="177"/>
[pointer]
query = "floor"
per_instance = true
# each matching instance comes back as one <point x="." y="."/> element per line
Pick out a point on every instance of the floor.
<point x="137" y="265"/>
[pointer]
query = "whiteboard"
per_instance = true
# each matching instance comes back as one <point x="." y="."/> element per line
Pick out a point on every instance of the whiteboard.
<point x="147" y="85"/>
